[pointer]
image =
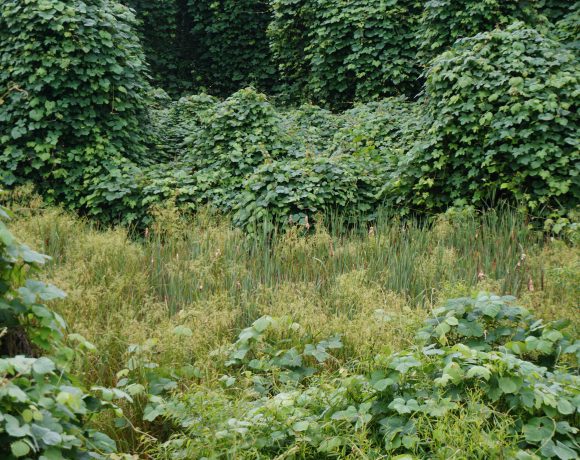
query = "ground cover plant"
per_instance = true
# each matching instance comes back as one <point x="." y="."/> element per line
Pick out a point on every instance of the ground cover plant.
<point x="338" y="309"/>
<point x="44" y="410"/>
<point x="289" y="229"/>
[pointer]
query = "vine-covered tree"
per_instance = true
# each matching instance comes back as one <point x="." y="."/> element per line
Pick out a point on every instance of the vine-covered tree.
<point x="502" y="117"/>
<point x="73" y="85"/>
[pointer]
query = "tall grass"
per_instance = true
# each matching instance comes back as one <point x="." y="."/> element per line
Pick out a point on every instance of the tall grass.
<point x="372" y="284"/>
<point x="410" y="258"/>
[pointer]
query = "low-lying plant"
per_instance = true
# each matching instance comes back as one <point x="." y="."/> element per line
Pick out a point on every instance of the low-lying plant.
<point x="286" y="399"/>
<point x="44" y="411"/>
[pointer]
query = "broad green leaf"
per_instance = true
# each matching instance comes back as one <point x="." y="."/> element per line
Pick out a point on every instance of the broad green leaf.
<point x="539" y="429"/>
<point x="19" y="448"/>
<point x="510" y="384"/>
<point x="301" y="425"/>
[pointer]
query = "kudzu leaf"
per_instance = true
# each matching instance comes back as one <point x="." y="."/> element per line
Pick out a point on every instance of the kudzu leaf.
<point x="538" y="429"/>
<point x="261" y="324"/>
<point x="43" y="366"/>
<point x="479" y="371"/>
<point x="469" y="328"/>
<point x="301" y="425"/>
<point x="565" y="407"/>
<point x="19" y="448"/>
<point x="491" y="310"/>
<point x="14" y="429"/>
<point x="510" y="384"/>
<point x="452" y="321"/>
<point x="383" y="384"/>
<point x="563" y="452"/>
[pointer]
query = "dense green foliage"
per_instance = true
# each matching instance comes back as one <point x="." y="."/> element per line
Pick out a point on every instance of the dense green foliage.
<point x="163" y="27"/>
<point x="567" y="29"/>
<point x="446" y="21"/>
<point x="44" y="413"/>
<point x="340" y="226"/>
<point x="327" y="52"/>
<point x="294" y="191"/>
<point x="339" y="52"/>
<point x="73" y="95"/>
<point x="214" y="46"/>
<point x="288" y="406"/>
<point x="229" y="45"/>
<point x="502" y="117"/>
<point x="495" y="121"/>
<point x="233" y="138"/>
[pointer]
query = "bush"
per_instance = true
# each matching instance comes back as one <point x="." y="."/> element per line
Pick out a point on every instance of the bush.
<point x="73" y="93"/>
<point x="237" y="134"/>
<point x="174" y="121"/>
<point x="555" y="10"/>
<point x="295" y="191"/>
<point x="501" y="117"/>
<point x="233" y="138"/>
<point x="488" y="322"/>
<point x="387" y="128"/>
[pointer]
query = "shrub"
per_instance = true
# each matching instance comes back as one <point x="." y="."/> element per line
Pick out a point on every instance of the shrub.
<point x="295" y="191"/>
<point x="501" y="117"/>
<point x="174" y="121"/>
<point x="387" y="128"/>
<point x="237" y="134"/>
<point x="73" y="93"/>
<point x="233" y="138"/>
<point x="488" y="322"/>
<point x="311" y="130"/>
<point x="556" y="10"/>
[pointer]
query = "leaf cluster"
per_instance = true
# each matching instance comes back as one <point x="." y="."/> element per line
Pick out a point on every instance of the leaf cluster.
<point x="335" y="53"/>
<point x="500" y="123"/>
<point x="44" y="411"/>
<point x="386" y="408"/>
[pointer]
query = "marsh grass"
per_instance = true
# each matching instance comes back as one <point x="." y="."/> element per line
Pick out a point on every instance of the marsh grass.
<point x="374" y="285"/>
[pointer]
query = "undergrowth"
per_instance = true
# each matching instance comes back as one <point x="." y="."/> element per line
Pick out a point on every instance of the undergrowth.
<point x="164" y="308"/>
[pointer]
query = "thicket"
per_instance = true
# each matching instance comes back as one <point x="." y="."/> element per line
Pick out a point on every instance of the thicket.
<point x="495" y="121"/>
<point x="213" y="46"/>
<point x="164" y="30"/>
<point x="501" y="118"/>
<point x="335" y="53"/>
<point x="230" y="48"/>
<point x="446" y="21"/>
<point x="329" y="53"/>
